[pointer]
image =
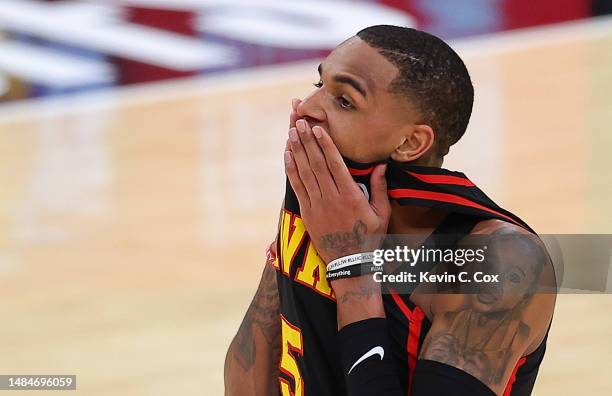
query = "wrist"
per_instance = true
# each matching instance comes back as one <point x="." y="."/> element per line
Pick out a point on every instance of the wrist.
<point x="357" y="299"/>
<point x="351" y="266"/>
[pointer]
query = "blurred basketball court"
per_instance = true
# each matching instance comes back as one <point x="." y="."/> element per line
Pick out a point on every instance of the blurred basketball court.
<point x="133" y="221"/>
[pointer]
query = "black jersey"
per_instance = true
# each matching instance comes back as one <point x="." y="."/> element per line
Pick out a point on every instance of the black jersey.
<point x="310" y="359"/>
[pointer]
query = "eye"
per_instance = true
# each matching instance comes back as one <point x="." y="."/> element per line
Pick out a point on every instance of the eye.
<point x="344" y="103"/>
<point x="318" y="84"/>
<point x="514" y="277"/>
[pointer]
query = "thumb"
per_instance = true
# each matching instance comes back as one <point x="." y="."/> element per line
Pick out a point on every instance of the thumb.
<point x="378" y="184"/>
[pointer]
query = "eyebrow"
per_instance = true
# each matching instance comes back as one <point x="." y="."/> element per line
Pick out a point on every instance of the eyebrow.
<point x="346" y="80"/>
<point x="520" y="269"/>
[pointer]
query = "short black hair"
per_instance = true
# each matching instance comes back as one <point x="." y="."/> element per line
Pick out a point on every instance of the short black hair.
<point x="431" y="75"/>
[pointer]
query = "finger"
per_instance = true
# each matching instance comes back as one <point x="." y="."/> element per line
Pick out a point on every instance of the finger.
<point x="316" y="159"/>
<point x="303" y="166"/>
<point x="294" y="116"/>
<point x="378" y="184"/>
<point x="340" y="173"/>
<point x="295" y="181"/>
<point x="295" y="103"/>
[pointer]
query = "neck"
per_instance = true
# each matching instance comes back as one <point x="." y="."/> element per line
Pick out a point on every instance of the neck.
<point x="414" y="219"/>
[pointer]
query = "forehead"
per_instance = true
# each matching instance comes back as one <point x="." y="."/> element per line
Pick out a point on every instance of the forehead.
<point x="357" y="58"/>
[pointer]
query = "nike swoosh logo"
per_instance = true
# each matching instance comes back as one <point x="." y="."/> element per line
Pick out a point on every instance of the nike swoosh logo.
<point x="377" y="350"/>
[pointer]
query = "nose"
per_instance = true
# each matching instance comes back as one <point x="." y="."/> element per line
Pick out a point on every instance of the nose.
<point x="310" y="108"/>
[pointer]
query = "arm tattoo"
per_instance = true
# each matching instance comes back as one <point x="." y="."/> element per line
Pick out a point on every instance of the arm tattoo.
<point x="489" y="329"/>
<point x="483" y="350"/>
<point x="263" y="313"/>
<point x="365" y="291"/>
<point x="343" y="242"/>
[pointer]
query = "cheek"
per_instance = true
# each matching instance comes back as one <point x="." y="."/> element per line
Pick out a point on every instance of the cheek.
<point x="359" y="136"/>
<point x="514" y="288"/>
<point x="340" y="133"/>
<point x="512" y="301"/>
<point x="349" y="135"/>
<point x="382" y="138"/>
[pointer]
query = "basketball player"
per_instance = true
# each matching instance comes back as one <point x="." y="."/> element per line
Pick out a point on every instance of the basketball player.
<point x="363" y="159"/>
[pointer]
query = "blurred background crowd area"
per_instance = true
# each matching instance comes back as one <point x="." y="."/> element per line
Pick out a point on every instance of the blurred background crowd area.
<point x="51" y="47"/>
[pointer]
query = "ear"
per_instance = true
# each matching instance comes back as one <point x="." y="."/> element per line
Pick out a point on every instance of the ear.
<point x="417" y="141"/>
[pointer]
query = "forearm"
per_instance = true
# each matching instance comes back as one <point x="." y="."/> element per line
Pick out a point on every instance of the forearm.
<point x="357" y="299"/>
<point x="256" y="377"/>
<point x="367" y="361"/>
<point x="251" y="364"/>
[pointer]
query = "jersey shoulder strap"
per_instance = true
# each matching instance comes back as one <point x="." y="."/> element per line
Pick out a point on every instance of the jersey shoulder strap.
<point x="452" y="229"/>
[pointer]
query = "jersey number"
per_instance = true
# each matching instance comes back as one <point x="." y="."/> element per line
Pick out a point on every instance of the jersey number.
<point x="292" y="344"/>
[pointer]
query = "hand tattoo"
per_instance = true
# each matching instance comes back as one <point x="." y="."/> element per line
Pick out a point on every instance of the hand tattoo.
<point x="341" y="243"/>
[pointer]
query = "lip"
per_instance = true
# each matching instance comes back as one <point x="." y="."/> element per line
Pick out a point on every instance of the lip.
<point x="487" y="298"/>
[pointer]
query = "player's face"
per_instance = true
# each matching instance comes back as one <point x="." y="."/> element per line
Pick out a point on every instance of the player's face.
<point x="352" y="102"/>
<point x="512" y="288"/>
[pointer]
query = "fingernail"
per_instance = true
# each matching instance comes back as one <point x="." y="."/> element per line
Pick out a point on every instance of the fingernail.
<point x="287" y="157"/>
<point x="301" y="125"/>
<point x="317" y="132"/>
<point x="293" y="135"/>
